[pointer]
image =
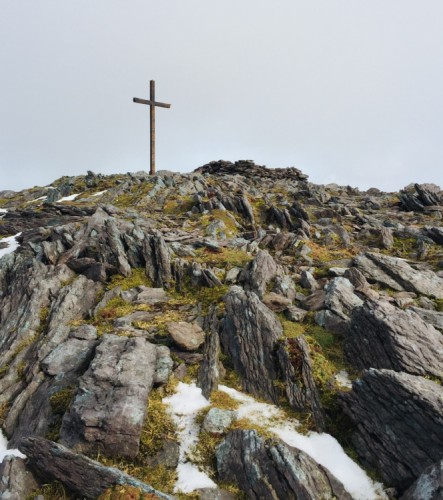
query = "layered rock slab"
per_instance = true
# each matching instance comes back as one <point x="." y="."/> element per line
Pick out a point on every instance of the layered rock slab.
<point x="79" y="474"/>
<point x="108" y="411"/>
<point x="383" y="336"/>
<point x="399" y="275"/>
<point x="399" y="423"/>
<point x="272" y="469"/>
<point x="248" y="335"/>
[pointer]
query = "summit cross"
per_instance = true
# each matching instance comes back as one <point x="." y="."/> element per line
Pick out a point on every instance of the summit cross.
<point x="152" y="103"/>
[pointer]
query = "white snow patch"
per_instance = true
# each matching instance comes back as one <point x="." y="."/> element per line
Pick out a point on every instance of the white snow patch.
<point x="99" y="193"/>
<point x="4" y="452"/>
<point x="183" y="406"/>
<point x="72" y="197"/>
<point x="13" y="244"/>
<point x="342" y="378"/>
<point x="37" y="199"/>
<point x="3" y="211"/>
<point x="323" y="448"/>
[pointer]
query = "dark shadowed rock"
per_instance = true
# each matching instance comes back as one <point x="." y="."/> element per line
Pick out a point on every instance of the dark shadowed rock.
<point x="399" y="423"/>
<point x="16" y="480"/>
<point x="296" y="368"/>
<point x="249" y="333"/>
<point x="81" y="475"/>
<point x="429" y="486"/>
<point x="272" y="469"/>
<point x="383" y="336"/>
<point x="211" y="369"/>
<point x="108" y="411"/>
<point x="259" y="273"/>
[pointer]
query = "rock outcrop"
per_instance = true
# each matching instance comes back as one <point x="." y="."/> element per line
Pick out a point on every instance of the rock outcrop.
<point x="271" y="469"/>
<point x="399" y="425"/>
<point x="107" y="413"/>
<point x="383" y="336"/>
<point x="83" y="476"/>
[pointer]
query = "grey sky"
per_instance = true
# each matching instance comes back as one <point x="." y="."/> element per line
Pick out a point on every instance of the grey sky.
<point x="350" y="91"/>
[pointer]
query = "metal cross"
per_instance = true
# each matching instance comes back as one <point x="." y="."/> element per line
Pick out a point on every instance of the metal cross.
<point x="152" y="103"/>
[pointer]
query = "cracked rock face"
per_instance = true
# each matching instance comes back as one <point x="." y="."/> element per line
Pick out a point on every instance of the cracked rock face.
<point x="399" y="425"/>
<point x="249" y="334"/>
<point x="272" y="469"/>
<point x="108" y="411"/>
<point x="383" y="336"/>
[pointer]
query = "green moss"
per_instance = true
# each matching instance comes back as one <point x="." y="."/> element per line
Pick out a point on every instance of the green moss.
<point x="226" y="217"/>
<point x="203" y="453"/>
<point x="61" y="400"/>
<point x="225" y="258"/>
<point x="126" y="492"/>
<point x="21" y="367"/>
<point x="4" y="409"/>
<point x="439" y="304"/>
<point x="158" y="425"/>
<point x="178" y="205"/>
<point x="222" y="400"/>
<point x="137" y="278"/>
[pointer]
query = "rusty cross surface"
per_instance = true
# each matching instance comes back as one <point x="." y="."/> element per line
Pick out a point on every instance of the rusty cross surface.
<point x="152" y="103"/>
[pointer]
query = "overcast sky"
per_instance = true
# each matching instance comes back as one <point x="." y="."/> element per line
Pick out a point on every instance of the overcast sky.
<point x="349" y="91"/>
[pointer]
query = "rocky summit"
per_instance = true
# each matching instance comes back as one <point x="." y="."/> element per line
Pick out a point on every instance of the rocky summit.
<point x="234" y="332"/>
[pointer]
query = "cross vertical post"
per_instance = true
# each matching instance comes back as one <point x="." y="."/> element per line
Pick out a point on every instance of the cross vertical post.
<point x="152" y="103"/>
<point x="152" y="113"/>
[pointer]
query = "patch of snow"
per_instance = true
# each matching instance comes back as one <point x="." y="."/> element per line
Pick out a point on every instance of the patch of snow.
<point x="72" y="197"/>
<point x="37" y="199"/>
<point x="13" y="244"/>
<point x="342" y="378"/>
<point x="3" y="211"/>
<point x="4" y="452"/>
<point x="184" y="406"/>
<point x="323" y="448"/>
<point x="99" y="193"/>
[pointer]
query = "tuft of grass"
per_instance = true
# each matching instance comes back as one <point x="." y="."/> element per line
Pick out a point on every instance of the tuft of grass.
<point x="126" y="492"/>
<point x="51" y="491"/>
<point x="4" y="409"/>
<point x="137" y="278"/>
<point x="203" y="453"/>
<point x="226" y="217"/>
<point x="226" y="258"/>
<point x="439" y="304"/>
<point x="222" y="400"/>
<point x="246" y="424"/>
<point x="61" y="400"/>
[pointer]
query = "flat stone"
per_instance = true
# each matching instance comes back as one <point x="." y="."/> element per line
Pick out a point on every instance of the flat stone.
<point x="152" y="296"/>
<point x="187" y="336"/>
<point x="275" y="302"/>
<point x="217" y="420"/>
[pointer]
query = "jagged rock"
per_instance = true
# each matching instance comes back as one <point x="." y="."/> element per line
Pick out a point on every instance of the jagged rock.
<point x="383" y="336"/>
<point x="357" y="279"/>
<point x="398" y="274"/>
<point x="315" y="301"/>
<point x="108" y="411"/>
<point x="248" y="336"/>
<point x="93" y="270"/>
<point x="308" y="281"/>
<point x="340" y="297"/>
<point x="429" y="486"/>
<point x="187" y="336"/>
<point x="387" y="237"/>
<point x="16" y="481"/>
<point x="425" y="195"/>
<point x="284" y="285"/>
<point x="272" y="469"/>
<point x="434" y="318"/>
<point x="211" y="369"/>
<point x="399" y="423"/>
<point x="296" y="368"/>
<point x="275" y="302"/>
<point x="296" y="314"/>
<point x="167" y="457"/>
<point x="258" y="273"/>
<point x="158" y="261"/>
<point x="81" y="475"/>
<point x="151" y="296"/>
<point x="217" y="420"/>
<point x="435" y="233"/>
<point x="164" y="365"/>
<point x="71" y="355"/>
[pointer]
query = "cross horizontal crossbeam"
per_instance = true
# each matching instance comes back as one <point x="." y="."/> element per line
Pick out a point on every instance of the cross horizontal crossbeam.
<point x="151" y="103"/>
